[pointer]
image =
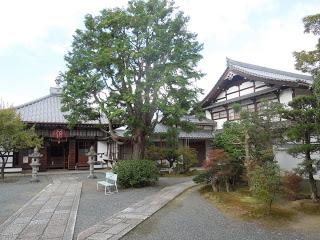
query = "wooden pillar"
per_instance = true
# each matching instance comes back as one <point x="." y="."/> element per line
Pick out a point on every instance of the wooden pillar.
<point x="255" y="104"/>
<point x="72" y="154"/>
<point x="44" y="159"/>
<point x="227" y="111"/>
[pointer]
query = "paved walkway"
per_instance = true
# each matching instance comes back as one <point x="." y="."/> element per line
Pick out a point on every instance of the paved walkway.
<point x="121" y="223"/>
<point x="191" y="217"/>
<point x="51" y="214"/>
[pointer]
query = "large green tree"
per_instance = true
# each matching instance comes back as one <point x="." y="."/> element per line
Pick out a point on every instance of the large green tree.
<point x="302" y="130"/>
<point x="133" y="65"/>
<point x="14" y="136"/>
<point x="309" y="61"/>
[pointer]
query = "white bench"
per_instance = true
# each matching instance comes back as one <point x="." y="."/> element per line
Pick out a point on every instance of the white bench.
<point x="111" y="181"/>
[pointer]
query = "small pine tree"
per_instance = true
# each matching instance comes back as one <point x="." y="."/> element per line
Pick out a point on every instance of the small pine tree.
<point x="265" y="182"/>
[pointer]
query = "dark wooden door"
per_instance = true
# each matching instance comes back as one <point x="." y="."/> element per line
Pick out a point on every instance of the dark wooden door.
<point x="200" y="147"/>
<point x="56" y="156"/>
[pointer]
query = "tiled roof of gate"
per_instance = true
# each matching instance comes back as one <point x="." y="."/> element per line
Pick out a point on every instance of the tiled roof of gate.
<point x="161" y="128"/>
<point x="197" y="134"/>
<point x="265" y="72"/>
<point x="46" y="110"/>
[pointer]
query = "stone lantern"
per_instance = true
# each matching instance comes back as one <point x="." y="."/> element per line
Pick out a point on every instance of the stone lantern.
<point x="91" y="160"/>
<point x="35" y="163"/>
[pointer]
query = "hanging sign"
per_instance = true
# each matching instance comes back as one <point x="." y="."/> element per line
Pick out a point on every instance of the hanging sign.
<point x="58" y="134"/>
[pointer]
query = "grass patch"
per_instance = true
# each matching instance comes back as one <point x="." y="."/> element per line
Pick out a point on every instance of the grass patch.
<point x="242" y="205"/>
<point x="306" y="206"/>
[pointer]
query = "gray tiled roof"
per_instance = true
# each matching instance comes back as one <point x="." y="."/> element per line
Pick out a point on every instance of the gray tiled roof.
<point x="197" y="134"/>
<point x="160" y="128"/>
<point x="195" y="120"/>
<point x="45" y="110"/>
<point x="268" y="73"/>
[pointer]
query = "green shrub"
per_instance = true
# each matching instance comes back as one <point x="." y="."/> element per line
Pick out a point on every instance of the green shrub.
<point x="136" y="173"/>
<point x="265" y="182"/>
<point x="203" y="177"/>
<point x="188" y="159"/>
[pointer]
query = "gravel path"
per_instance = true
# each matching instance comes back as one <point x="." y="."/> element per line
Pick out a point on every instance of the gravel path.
<point x="95" y="206"/>
<point x="192" y="217"/>
<point x="16" y="191"/>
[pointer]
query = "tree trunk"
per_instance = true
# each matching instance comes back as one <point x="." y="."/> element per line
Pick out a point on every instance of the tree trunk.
<point x="214" y="183"/>
<point x="270" y="206"/>
<point x="227" y="185"/>
<point x="2" y="170"/>
<point x="313" y="187"/>
<point x="309" y="168"/>
<point x="138" y="142"/>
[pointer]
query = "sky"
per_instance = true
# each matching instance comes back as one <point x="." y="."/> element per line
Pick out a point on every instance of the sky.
<point x="36" y="34"/>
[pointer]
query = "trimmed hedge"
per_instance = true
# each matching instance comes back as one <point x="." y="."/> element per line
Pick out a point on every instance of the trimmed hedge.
<point x="136" y="173"/>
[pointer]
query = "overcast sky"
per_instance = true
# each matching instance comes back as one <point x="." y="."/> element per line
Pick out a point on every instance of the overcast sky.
<point x="36" y="34"/>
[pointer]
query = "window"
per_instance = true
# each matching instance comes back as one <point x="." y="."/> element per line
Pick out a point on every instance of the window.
<point x="218" y="115"/>
<point x="233" y="115"/>
<point x="84" y="147"/>
<point x="249" y="108"/>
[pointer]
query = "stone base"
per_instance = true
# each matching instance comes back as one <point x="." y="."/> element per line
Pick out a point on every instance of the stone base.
<point x="35" y="180"/>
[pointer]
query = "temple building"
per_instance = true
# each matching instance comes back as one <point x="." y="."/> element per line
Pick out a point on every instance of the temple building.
<point x="250" y="85"/>
<point x="66" y="148"/>
<point x="63" y="148"/>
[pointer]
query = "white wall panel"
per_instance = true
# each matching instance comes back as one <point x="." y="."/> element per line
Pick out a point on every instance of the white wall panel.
<point x="220" y="122"/>
<point x="222" y="94"/>
<point x="246" y="91"/>
<point x="232" y="89"/>
<point x="258" y="83"/>
<point x="246" y="85"/>
<point x="285" y="96"/>
<point x="102" y="147"/>
<point x="233" y="95"/>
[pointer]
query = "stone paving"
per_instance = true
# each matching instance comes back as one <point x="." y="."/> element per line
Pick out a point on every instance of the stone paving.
<point x="121" y="223"/>
<point x="51" y="214"/>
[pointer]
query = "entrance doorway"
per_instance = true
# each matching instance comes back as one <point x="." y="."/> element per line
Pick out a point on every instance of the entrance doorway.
<point x="57" y="155"/>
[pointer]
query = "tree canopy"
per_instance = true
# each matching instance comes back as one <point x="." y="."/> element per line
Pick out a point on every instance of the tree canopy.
<point x="131" y="65"/>
<point x="14" y="135"/>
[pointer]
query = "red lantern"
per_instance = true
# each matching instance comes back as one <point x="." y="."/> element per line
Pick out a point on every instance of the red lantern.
<point x="58" y="134"/>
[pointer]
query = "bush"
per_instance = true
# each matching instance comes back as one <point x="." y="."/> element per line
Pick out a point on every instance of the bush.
<point x="154" y="153"/>
<point x="291" y="184"/>
<point x="265" y="182"/>
<point x="136" y="173"/>
<point x="204" y="177"/>
<point x="188" y="159"/>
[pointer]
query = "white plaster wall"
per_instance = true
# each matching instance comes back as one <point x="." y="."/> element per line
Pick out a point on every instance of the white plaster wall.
<point x="285" y="96"/>
<point x="246" y="91"/>
<point x="9" y="162"/>
<point x="222" y="94"/>
<point x="232" y="89"/>
<point x="208" y="114"/>
<point x="233" y="95"/>
<point x="220" y="122"/>
<point x="258" y="83"/>
<point x="288" y="163"/>
<point x="102" y="147"/>
<point x="246" y="85"/>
